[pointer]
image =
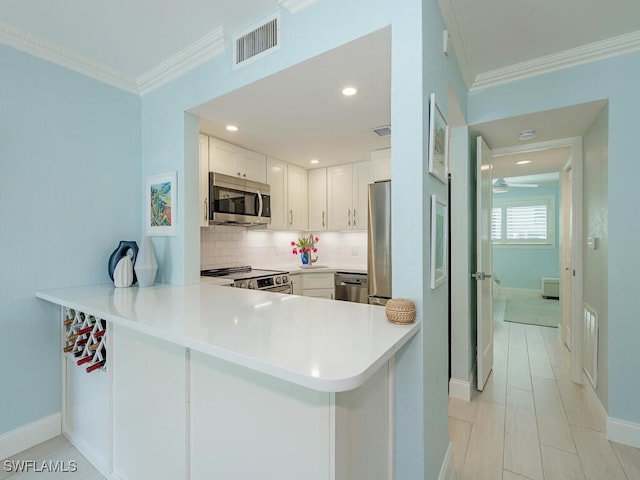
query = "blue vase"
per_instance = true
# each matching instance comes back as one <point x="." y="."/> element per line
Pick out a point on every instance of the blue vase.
<point x="120" y="252"/>
<point x="304" y="258"/>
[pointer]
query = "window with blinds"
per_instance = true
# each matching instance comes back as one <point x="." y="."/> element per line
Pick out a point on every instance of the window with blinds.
<point x="523" y="222"/>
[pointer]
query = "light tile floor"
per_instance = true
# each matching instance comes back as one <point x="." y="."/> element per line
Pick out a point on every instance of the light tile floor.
<point x="53" y="459"/>
<point x="531" y="421"/>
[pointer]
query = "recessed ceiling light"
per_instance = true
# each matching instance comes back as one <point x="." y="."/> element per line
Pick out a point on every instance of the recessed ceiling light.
<point x="349" y="91"/>
<point x="526" y="134"/>
<point x="523" y="162"/>
<point x="314" y="161"/>
<point x="232" y="128"/>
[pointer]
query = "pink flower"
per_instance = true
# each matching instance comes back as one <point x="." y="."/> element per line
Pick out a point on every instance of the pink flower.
<point x="307" y="249"/>
<point x="300" y="250"/>
<point x="317" y="239"/>
<point x="295" y="250"/>
<point x="315" y="249"/>
<point x="293" y="243"/>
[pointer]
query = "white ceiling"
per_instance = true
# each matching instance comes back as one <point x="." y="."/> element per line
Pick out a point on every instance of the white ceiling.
<point x="295" y="115"/>
<point x="129" y="36"/>
<point x="490" y="35"/>
<point x="300" y="114"/>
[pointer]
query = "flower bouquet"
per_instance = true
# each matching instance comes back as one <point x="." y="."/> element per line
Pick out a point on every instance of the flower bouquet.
<point x="305" y="246"/>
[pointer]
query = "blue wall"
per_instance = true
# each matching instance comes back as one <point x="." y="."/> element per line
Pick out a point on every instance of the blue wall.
<point x="614" y="79"/>
<point x="70" y="189"/>
<point x="523" y="266"/>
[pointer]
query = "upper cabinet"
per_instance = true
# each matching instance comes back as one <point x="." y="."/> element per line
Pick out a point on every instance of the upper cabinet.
<point x="318" y="199"/>
<point x="204" y="179"/>
<point x="236" y="161"/>
<point x="297" y="200"/>
<point x="347" y="201"/>
<point x="381" y="165"/>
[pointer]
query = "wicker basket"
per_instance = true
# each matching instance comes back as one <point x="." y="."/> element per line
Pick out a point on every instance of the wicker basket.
<point x="400" y="310"/>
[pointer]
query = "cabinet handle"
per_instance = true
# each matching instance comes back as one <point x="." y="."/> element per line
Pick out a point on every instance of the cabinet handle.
<point x="290" y="217"/>
<point x="244" y="175"/>
<point x="239" y="174"/>
<point x="349" y="217"/>
<point x="354" y="217"/>
<point x="206" y="208"/>
<point x="323" y="218"/>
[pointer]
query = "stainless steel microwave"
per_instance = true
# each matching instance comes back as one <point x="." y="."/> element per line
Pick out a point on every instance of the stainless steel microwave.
<point x="238" y="201"/>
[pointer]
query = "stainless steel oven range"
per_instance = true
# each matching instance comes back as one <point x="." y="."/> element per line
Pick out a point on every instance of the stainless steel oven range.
<point x="255" y="279"/>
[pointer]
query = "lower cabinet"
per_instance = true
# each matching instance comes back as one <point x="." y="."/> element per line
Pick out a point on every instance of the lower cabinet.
<point x="320" y="285"/>
<point x="296" y="283"/>
<point x="164" y="412"/>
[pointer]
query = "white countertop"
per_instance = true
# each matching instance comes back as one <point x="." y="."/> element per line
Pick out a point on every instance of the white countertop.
<point x="325" y="345"/>
<point x="314" y="268"/>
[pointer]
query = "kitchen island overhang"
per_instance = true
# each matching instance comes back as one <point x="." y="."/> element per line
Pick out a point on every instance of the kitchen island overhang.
<point x="227" y="371"/>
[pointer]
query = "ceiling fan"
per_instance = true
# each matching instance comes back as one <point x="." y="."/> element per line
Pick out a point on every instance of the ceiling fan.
<point x="502" y="186"/>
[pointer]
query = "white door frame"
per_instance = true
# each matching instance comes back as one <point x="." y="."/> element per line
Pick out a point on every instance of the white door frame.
<point x="575" y="143"/>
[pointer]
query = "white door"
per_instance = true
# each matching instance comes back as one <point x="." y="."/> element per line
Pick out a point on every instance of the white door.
<point x="566" y="267"/>
<point x="484" y="265"/>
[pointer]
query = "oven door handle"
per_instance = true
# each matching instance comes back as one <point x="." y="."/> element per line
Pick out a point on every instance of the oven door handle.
<point x="260" y="205"/>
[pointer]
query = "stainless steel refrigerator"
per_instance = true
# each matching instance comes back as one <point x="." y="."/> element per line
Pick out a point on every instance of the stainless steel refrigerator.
<point x="379" y="243"/>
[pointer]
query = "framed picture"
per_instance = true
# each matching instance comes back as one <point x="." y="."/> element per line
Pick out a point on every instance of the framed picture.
<point x="160" y="202"/>
<point x="439" y="238"/>
<point x="438" y="142"/>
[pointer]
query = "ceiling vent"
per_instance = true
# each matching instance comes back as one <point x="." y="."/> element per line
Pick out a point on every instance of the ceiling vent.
<point x="257" y="41"/>
<point x="384" y="131"/>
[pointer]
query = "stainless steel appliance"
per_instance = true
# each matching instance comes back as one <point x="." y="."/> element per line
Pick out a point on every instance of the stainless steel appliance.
<point x="379" y="243"/>
<point x="351" y="287"/>
<point x="255" y="279"/>
<point x="238" y="201"/>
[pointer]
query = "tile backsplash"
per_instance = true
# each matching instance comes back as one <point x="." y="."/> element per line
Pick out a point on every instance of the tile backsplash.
<point x="222" y="245"/>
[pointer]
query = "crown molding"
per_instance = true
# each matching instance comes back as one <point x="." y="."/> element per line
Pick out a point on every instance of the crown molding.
<point x="195" y="54"/>
<point x="38" y="47"/>
<point x="592" y="52"/>
<point x="294" y="6"/>
<point x="453" y="22"/>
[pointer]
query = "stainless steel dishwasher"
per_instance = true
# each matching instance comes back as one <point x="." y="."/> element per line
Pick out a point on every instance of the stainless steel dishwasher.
<point x="352" y="287"/>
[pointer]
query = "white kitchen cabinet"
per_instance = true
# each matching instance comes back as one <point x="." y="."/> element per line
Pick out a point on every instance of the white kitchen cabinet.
<point x="318" y="284"/>
<point x="236" y="161"/>
<point x="347" y="200"/>
<point x="297" y="200"/>
<point x="381" y="165"/>
<point x="318" y="199"/>
<point x="204" y="179"/>
<point x="296" y="283"/>
<point x="277" y="178"/>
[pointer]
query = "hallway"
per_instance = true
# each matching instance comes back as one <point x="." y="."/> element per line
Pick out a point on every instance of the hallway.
<point x="532" y="421"/>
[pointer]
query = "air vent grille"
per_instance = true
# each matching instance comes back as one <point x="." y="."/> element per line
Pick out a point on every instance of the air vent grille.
<point x="257" y="42"/>
<point x="384" y="131"/>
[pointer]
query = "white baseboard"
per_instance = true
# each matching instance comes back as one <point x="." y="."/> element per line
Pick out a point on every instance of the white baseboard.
<point x="30" y="435"/>
<point x="623" y="432"/>
<point x="447" y="469"/>
<point x="460" y="389"/>
<point x="98" y="461"/>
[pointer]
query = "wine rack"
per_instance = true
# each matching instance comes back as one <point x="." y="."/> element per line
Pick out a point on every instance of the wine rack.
<point x="85" y="339"/>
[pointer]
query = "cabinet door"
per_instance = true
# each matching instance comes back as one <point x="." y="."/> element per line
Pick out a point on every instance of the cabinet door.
<point x="339" y="197"/>
<point x="223" y="157"/>
<point x="296" y="283"/>
<point x="381" y="165"/>
<point x="277" y="178"/>
<point x="319" y="293"/>
<point x="204" y="179"/>
<point x="253" y="166"/>
<point x="297" y="200"/>
<point x="361" y="179"/>
<point x="318" y="199"/>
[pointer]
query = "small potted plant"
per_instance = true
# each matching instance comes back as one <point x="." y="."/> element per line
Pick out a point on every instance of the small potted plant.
<point x="305" y="246"/>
